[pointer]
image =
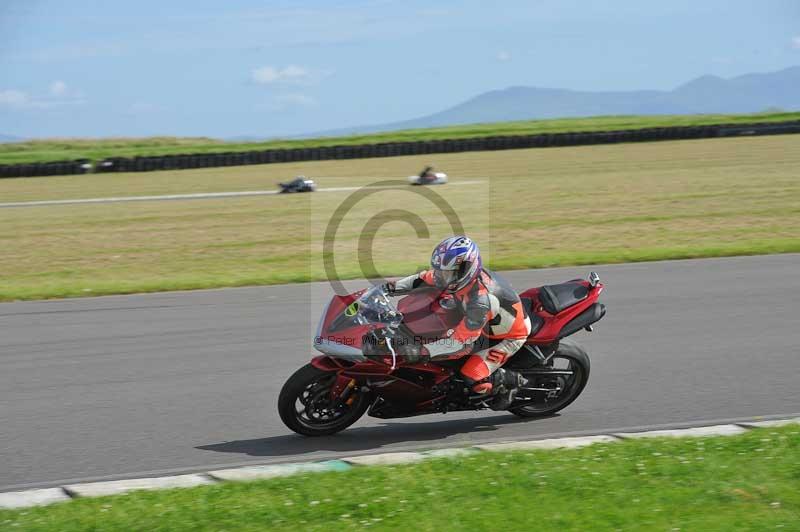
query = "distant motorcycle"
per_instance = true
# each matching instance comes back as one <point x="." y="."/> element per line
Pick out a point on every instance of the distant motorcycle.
<point x="374" y="358"/>
<point x="428" y="177"/>
<point x="298" y="184"/>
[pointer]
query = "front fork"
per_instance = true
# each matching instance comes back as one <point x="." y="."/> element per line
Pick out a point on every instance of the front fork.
<point x="342" y="390"/>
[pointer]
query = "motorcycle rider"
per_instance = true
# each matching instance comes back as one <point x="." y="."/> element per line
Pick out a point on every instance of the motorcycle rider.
<point x="427" y="175"/>
<point x="494" y="324"/>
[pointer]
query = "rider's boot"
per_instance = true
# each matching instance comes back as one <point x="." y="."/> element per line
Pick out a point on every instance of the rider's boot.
<point x="506" y="384"/>
<point x="502" y="386"/>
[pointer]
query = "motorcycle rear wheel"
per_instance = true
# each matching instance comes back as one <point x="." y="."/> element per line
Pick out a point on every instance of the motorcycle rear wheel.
<point x="578" y="362"/>
<point x="305" y="407"/>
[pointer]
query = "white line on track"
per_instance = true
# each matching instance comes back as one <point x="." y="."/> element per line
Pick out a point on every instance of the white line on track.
<point x="201" y="195"/>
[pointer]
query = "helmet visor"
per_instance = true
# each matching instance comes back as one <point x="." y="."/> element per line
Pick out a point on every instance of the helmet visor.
<point x="445" y="278"/>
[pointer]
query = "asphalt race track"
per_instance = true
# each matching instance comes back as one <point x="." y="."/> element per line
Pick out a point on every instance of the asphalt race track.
<point x="140" y="385"/>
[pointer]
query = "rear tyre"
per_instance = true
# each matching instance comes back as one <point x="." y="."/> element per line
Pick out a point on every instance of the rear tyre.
<point x="568" y="356"/>
<point x="305" y="406"/>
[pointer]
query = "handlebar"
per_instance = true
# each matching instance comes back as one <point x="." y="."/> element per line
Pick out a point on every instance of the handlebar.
<point x="375" y="307"/>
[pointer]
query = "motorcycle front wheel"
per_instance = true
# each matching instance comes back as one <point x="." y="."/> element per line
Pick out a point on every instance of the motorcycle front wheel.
<point x="305" y="404"/>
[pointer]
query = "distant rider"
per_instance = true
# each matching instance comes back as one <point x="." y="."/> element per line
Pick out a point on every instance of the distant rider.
<point x="492" y="312"/>
<point x="427" y="175"/>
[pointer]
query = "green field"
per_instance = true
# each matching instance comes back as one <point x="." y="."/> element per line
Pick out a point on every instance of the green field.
<point x="746" y="482"/>
<point x="97" y="149"/>
<point x="531" y="208"/>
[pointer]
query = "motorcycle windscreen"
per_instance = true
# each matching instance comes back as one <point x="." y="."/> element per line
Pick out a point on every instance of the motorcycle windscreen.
<point x="339" y="333"/>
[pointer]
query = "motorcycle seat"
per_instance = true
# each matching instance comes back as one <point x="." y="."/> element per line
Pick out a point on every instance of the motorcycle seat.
<point x="557" y="297"/>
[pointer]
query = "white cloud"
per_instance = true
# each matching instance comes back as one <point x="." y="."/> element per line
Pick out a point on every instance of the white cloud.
<point x="58" y="95"/>
<point x="267" y="75"/>
<point x="14" y="98"/>
<point x="503" y="56"/>
<point x="58" y="88"/>
<point x="796" y="42"/>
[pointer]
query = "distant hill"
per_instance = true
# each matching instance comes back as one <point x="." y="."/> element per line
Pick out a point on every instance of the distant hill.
<point x="749" y="93"/>
<point x="244" y="138"/>
<point x="10" y="138"/>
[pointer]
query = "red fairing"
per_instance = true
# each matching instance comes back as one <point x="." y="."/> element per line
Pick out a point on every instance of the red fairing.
<point x="344" y="341"/>
<point x="553" y="324"/>
<point x="380" y="375"/>
<point x="425" y="316"/>
<point x="422" y="315"/>
<point x="326" y="363"/>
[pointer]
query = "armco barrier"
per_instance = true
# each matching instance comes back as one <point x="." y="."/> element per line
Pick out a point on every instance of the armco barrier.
<point x="393" y="149"/>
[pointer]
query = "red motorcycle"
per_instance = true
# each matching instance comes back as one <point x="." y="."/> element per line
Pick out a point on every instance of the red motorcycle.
<point x="374" y="358"/>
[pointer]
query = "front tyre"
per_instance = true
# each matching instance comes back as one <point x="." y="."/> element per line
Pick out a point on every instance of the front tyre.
<point x="570" y="373"/>
<point x="305" y="405"/>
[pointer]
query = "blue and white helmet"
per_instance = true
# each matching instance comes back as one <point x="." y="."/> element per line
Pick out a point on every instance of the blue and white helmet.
<point x="456" y="262"/>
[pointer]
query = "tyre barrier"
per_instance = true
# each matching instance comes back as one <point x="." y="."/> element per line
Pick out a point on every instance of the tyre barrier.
<point x="393" y="149"/>
<point x="763" y="129"/>
<point x="77" y="166"/>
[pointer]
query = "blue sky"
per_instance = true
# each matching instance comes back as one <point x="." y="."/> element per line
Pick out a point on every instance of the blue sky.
<point x="270" y="68"/>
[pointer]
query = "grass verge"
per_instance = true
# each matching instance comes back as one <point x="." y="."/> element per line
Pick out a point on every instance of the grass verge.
<point x="745" y="482"/>
<point x="95" y="149"/>
<point x="531" y="208"/>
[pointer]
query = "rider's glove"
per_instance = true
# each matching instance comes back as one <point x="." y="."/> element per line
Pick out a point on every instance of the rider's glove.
<point x="389" y="287"/>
